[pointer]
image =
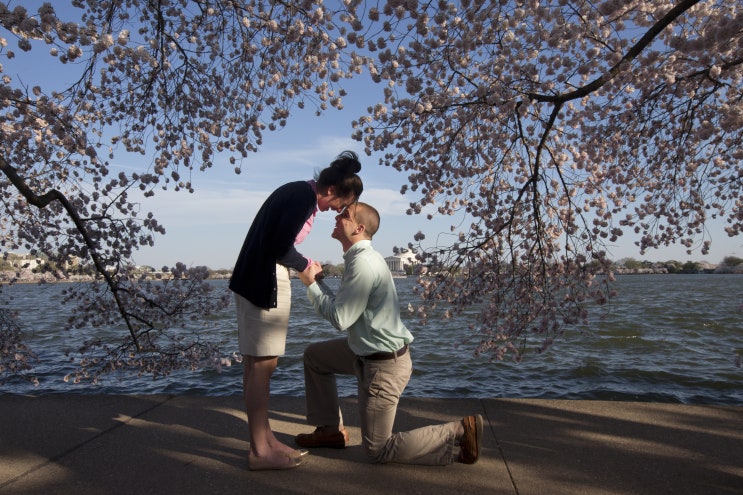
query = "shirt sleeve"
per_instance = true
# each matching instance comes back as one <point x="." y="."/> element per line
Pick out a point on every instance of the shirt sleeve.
<point x="345" y="307"/>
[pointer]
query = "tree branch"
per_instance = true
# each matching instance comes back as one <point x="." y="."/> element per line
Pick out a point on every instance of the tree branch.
<point x="633" y="52"/>
<point x="41" y="201"/>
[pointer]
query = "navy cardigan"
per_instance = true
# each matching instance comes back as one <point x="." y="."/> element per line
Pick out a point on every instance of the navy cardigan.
<point x="270" y="240"/>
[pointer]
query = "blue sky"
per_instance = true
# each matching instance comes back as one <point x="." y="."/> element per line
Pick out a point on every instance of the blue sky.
<point x="207" y="227"/>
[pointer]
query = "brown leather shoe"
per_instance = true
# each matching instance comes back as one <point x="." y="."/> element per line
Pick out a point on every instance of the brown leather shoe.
<point x="323" y="437"/>
<point x="470" y="441"/>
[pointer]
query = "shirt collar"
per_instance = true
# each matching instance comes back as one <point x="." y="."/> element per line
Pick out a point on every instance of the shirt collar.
<point x="357" y="246"/>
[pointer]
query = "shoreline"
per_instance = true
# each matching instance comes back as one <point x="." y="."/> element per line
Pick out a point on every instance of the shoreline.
<point x="7" y="277"/>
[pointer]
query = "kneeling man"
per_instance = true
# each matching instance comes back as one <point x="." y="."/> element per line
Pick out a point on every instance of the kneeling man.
<point x="376" y="351"/>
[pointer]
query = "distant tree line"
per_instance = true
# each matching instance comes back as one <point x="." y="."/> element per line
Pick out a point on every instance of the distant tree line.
<point x="729" y="264"/>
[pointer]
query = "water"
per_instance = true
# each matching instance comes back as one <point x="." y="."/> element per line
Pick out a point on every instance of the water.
<point x="666" y="338"/>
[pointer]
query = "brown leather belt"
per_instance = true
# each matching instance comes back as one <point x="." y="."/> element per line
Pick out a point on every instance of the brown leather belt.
<point x="381" y="356"/>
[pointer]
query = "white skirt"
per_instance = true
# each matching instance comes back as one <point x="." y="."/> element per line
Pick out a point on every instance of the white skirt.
<point x="262" y="332"/>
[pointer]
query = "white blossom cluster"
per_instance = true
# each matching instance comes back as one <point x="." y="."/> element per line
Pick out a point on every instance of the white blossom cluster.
<point x="16" y="358"/>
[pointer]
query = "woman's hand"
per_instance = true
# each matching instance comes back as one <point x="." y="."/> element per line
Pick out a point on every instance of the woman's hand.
<point x="311" y="273"/>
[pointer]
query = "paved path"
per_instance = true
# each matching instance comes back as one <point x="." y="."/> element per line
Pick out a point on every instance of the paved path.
<point x="106" y="444"/>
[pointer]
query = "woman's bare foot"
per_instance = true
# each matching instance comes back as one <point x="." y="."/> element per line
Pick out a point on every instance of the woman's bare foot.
<point x="280" y="447"/>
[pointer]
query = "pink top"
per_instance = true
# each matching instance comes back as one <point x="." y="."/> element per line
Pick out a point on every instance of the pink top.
<point x="308" y="224"/>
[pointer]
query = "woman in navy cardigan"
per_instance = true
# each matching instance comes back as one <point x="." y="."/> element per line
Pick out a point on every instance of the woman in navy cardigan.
<point x="260" y="282"/>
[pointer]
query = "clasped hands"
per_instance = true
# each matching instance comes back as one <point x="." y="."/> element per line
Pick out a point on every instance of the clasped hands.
<point x="311" y="274"/>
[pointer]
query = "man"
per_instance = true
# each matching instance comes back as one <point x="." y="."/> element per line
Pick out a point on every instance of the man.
<point x="376" y="351"/>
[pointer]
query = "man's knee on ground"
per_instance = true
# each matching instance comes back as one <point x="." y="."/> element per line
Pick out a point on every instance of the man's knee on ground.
<point x="375" y="455"/>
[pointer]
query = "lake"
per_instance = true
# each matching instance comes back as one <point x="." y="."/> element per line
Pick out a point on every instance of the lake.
<point x="665" y="338"/>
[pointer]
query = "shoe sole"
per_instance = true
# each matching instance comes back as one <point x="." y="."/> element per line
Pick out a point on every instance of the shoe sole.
<point x="478" y="437"/>
<point x="478" y="440"/>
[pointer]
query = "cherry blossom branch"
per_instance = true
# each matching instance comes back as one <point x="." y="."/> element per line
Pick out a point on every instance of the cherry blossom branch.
<point x="41" y="201"/>
<point x="646" y="39"/>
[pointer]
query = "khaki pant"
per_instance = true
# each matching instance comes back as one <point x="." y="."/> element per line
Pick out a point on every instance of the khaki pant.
<point x="380" y="384"/>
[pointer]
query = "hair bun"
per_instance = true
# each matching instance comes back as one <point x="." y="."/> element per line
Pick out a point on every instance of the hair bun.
<point x="347" y="163"/>
<point x="342" y="174"/>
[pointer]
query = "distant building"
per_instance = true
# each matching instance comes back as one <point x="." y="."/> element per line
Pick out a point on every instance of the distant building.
<point x="25" y="261"/>
<point x="397" y="262"/>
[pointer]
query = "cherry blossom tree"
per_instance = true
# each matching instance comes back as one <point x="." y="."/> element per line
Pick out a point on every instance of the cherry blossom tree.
<point x="548" y="129"/>
<point x="178" y="83"/>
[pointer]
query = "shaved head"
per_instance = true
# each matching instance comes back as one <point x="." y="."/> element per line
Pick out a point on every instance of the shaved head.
<point x="367" y="216"/>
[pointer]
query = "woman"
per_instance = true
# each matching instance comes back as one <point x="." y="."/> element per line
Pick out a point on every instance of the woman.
<point x="260" y="281"/>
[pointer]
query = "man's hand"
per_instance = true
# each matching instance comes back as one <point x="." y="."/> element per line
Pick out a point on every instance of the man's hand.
<point x="311" y="273"/>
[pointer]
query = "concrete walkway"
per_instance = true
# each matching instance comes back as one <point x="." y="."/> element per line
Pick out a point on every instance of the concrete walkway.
<point x="105" y="444"/>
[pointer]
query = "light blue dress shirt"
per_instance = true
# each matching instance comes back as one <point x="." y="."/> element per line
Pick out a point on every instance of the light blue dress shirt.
<point x="366" y="304"/>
